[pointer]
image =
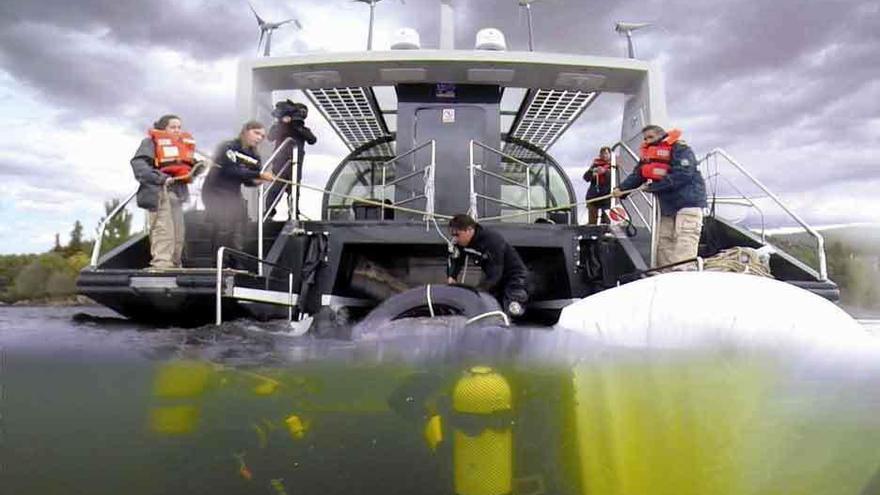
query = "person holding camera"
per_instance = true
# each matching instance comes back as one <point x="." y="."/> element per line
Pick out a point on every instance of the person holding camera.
<point x="289" y="123"/>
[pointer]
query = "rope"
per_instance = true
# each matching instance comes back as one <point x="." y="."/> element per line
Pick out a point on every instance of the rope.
<point x="738" y="260"/>
<point x="429" y="191"/>
<point x="428" y="296"/>
<point x="561" y="207"/>
<point x="488" y="314"/>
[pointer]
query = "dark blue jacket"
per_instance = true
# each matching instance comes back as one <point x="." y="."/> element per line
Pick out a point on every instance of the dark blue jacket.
<point x="683" y="186"/>
<point x="233" y="171"/>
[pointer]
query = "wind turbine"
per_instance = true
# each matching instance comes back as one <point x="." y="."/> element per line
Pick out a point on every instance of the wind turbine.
<point x="266" y="29"/>
<point x="626" y="28"/>
<point x="372" y="4"/>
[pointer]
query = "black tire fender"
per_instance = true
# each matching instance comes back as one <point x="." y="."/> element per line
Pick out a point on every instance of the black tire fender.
<point x="446" y="300"/>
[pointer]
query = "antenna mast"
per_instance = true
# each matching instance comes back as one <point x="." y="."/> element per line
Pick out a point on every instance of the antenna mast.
<point x="447" y="25"/>
<point x="528" y="5"/>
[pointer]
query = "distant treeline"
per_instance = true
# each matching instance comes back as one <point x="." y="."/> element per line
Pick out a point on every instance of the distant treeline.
<point x="853" y="258"/>
<point x="52" y="275"/>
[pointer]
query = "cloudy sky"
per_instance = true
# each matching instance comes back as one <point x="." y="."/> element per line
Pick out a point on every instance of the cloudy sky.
<point x="789" y="87"/>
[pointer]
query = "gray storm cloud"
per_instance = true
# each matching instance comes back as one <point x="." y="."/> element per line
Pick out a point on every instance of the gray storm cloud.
<point x="792" y="85"/>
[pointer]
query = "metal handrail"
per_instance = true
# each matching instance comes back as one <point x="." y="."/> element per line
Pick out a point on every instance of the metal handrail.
<point x="415" y="172"/>
<point x="408" y="152"/>
<point x="261" y="213"/>
<point x="502" y="202"/>
<point x="264" y="191"/>
<point x="526" y="184"/>
<point x="820" y="241"/>
<point x="652" y="225"/>
<point x="96" y="249"/>
<point x="634" y="156"/>
<point x="221" y="254"/>
<point x="277" y="150"/>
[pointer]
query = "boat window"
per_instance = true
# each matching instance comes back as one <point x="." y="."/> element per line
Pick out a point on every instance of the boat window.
<point x="548" y="185"/>
<point x="386" y="98"/>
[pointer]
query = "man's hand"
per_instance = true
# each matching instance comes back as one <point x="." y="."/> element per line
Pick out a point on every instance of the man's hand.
<point x="267" y="176"/>
<point x="616" y="192"/>
<point x="451" y="281"/>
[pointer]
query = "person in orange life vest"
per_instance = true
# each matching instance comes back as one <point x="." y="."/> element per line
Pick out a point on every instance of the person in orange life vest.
<point x="669" y="166"/>
<point x="162" y="165"/>
<point x="599" y="177"/>
<point x="238" y="164"/>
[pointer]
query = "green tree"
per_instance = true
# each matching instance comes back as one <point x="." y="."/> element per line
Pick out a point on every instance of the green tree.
<point x="76" y="238"/>
<point x="48" y="274"/>
<point x="118" y="229"/>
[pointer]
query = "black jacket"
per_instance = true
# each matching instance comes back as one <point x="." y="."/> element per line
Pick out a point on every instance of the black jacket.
<point x="236" y="166"/>
<point x="295" y="129"/>
<point x="499" y="260"/>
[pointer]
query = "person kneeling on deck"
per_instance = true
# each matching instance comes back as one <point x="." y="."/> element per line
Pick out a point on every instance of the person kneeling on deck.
<point x="671" y="167"/>
<point x="505" y="274"/>
<point x="163" y="165"/>
<point x="238" y="163"/>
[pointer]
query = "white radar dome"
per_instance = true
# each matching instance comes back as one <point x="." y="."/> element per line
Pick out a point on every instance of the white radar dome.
<point x="405" y="39"/>
<point x="490" y="39"/>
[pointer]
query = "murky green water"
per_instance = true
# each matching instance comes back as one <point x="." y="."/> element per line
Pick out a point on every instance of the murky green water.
<point x="107" y="407"/>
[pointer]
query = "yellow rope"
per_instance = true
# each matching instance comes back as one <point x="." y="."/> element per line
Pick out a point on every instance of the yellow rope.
<point x="737" y="260"/>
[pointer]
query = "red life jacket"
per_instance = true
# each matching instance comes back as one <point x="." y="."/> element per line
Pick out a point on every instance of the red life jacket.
<point x="601" y="167"/>
<point x="174" y="152"/>
<point x="655" y="157"/>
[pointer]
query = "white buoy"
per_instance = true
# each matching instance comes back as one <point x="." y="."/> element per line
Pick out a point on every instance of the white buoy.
<point x="710" y="309"/>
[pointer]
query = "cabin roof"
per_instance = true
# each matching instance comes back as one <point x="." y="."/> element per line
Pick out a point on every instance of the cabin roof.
<point x="544" y="93"/>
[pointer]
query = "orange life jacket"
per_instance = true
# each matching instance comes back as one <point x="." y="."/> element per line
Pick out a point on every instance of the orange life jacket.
<point x="602" y="167"/>
<point x="174" y="152"/>
<point x="655" y="157"/>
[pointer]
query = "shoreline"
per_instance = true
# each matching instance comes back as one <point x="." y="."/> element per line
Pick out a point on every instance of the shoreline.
<point x="61" y="302"/>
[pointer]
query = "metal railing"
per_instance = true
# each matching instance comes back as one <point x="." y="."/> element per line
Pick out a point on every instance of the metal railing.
<point x="221" y="255"/>
<point x="96" y="249"/>
<point x="265" y="188"/>
<point x="427" y="172"/>
<point x="474" y="167"/>
<point x="653" y="212"/>
<point x="820" y="241"/>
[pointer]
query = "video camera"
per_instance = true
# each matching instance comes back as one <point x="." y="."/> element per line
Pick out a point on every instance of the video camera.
<point x="288" y="108"/>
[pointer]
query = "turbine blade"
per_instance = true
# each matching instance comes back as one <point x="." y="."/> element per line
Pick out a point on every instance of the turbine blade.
<point x="284" y="22"/>
<point x="259" y="43"/>
<point x="297" y="24"/>
<point x="260" y="21"/>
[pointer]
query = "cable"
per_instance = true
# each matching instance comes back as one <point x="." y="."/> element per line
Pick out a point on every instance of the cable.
<point x="428" y="296"/>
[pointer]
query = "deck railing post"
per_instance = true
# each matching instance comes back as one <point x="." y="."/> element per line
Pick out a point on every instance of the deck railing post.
<point x="218" y="314"/>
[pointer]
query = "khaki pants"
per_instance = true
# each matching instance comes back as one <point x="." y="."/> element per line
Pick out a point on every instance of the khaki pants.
<point x="167" y="231"/>
<point x="679" y="237"/>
